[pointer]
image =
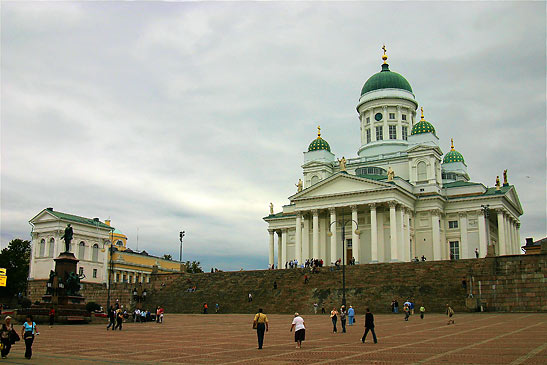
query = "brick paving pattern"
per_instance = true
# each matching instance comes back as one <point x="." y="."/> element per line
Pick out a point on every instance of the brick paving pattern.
<point x="487" y="338"/>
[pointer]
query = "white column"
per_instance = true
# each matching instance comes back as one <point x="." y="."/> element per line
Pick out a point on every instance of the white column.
<point x="464" y="247"/>
<point x="393" y="230"/>
<point x="401" y="234"/>
<point x="284" y="246"/>
<point x="323" y="225"/>
<point x="406" y="245"/>
<point x="385" y="129"/>
<point x="381" y="240"/>
<point x="519" y="251"/>
<point x="333" y="255"/>
<point x="306" y="238"/>
<point x="315" y="234"/>
<point x="513" y="237"/>
<point x="280" y="263"/>
<point x="399" y="123"/>
<point x="501" y="233"/>
<point x="436" y="234"/>
<point x="509" y="246"/>
<point x="298" y="238"/>
<point x="373" y="234"/>
<point x="271" y="251"/>
<point x="354" y="236"/>
<point x="482" y="234"/>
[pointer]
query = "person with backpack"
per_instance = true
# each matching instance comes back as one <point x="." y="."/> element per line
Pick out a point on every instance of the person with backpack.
<point x="8" y="336"/>
<point x="260" y="323"/>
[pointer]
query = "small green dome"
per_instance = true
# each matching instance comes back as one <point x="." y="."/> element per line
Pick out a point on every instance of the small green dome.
<point x="423" y="126"/>
<point x="318" y="144"/>
<point x="386" y="79"/>
<point x="453" y="155"/>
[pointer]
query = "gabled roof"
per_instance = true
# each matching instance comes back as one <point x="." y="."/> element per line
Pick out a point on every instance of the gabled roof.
<point x="74" y="218"/>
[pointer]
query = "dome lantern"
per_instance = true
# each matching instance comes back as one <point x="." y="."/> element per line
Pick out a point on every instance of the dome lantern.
<point x="318" y="143"/>
<point x="453" y="155"/>
<point x="385" y="79"/>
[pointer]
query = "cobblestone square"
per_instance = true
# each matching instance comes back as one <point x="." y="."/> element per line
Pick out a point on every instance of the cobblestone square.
<point x="487" y="338"/>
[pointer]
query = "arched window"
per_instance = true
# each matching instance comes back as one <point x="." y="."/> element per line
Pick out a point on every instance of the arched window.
<point x="119" y="243"/>
<point x="42" y="252"/>
<point x="314" y="179"/>
<point x="51" y="247"/>
<point x="95" y="253"/>
<point x="422" y="171"/>
<point x="81" y="250"/>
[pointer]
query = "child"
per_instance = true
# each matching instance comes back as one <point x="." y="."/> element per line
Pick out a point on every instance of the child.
<point x="422" y="311"/>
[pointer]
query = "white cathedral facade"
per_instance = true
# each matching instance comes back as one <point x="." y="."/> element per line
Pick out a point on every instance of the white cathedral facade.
<point x="398" y="200"/>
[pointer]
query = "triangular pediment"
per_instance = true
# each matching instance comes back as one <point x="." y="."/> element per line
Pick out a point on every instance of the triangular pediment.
<point x="43" y="216"/>
<point x="339" y="184"/>
<point x="513" y="197"/>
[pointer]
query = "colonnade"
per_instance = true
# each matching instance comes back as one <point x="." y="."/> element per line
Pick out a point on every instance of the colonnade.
<point x="508" y="233"/>
<point x="399" y="240"/>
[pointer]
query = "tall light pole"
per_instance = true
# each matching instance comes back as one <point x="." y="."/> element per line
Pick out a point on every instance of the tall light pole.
<point x="343" y="224"/>
<point x="181" y="235"/>
<point x="486" y="210"/>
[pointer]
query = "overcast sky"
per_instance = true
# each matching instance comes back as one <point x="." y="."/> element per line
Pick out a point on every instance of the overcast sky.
<point x="194" y="116"/>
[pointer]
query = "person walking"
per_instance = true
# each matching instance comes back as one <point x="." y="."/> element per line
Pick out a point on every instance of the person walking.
<point x="8" y="336"/>
<point x="28" y="332"/>
<point x="396" y="306"/>
<point x="334" y="318"/>
<point x="51" y="317"/>
<point x="119" y="319"/>
<point x="217" y="308"/>
<point x="477" y="253"/>
<point x="369" y="326"/>
<point x="351" y="315"/>
<point x="260" y="323"/>
<point x="205" y="308"/>
<point x="111" y="318"/>
<point x="450" y="314"/>
<point x="250" y="297"/>
<point x="343" y="315"/>
<point x="315" y="306"/>
<point x="406" y="309"/>
<point x="422" y="311"/>
<point x="299" y="330"/>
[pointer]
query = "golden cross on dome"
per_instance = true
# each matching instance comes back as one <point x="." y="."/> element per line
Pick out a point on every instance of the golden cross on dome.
<point x="318" y="131"/>
<point x="422" y="109"/>
<point x="452" y="144"/>
<point x="384" y="57"/>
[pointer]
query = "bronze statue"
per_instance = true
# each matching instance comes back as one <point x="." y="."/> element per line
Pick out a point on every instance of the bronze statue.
<point x="299" y="185"/>
<point x="72" y="285"/>
<point x="498" y="183"/>
<point x="505" y="183"/>
<point x="67" y="236"/>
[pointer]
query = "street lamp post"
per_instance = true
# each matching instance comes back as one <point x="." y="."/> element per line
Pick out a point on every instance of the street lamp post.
<point x="181" y="236"/>
<point x="343" y="224"/>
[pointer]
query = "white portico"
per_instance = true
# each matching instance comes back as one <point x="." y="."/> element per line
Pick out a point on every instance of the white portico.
<point x="400" y="199"/>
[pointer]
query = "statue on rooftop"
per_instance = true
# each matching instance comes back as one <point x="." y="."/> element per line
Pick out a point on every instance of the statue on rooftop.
<point x="390" y="174"/>
<point x="67" y="236"/>
<point x="498" y="183"/>
<point x="271" y="209"/>
<point x="505" y="183"/>
<point x="342" y="164"/>
<point x="300" y="185"/>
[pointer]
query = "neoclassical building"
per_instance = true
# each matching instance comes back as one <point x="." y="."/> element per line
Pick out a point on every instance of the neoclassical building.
<point x="400" y="198"/>
<point x="90" y="245"/>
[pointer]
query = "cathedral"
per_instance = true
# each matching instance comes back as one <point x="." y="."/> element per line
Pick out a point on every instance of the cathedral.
<point x="400" y="199"/>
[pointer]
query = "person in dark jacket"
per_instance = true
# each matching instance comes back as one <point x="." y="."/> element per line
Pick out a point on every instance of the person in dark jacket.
<point x="369" y="326"/>
<point x="112" y="318"/>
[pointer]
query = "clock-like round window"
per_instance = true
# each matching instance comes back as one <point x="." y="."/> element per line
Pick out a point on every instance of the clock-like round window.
<point x="378" y="116"/>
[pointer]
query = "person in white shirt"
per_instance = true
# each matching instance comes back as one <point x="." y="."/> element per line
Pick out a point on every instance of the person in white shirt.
<point x="299" y="330"/>
<point x="137" y="315"/>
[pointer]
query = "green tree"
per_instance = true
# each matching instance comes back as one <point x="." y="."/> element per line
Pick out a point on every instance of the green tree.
<point x="15" y="259"/>
<point x="167" y="257"/>
<point x="193" y="267"/>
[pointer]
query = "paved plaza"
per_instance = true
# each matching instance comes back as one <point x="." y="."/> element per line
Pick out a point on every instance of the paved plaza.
<point x="229" y="339"/>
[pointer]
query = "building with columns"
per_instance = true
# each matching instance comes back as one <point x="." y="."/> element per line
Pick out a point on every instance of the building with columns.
<point x="401" y="198"/>
<point x="90" y="244"/>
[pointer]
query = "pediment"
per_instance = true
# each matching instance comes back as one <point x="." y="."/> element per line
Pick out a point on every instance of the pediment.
<point x="424" y="148"/>
<point x="513" y="197"/>
<point x="339" y="184"/>
<point x="43" y="216"/>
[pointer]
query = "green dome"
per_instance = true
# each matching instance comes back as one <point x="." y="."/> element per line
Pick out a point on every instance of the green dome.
<point x="423" y="126"/>
<point x="318" y="144"/>
<point x="386" y="79"/>
<point x="453" y="155"/>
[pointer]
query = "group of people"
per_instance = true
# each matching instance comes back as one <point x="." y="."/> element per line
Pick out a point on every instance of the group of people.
<point x="9" y="336"/>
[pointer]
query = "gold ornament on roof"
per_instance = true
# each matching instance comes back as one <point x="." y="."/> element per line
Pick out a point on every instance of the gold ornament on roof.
<point x="318" y="131"/>
<point x="384" y="57"/>
<point x="505" y="182"/>
<point x="452" y="144"/>
<point x="422" y="110"/>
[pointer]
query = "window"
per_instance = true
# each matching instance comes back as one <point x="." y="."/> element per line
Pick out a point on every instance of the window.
<point x="379" y="133"/>
<point x="95" y="273"/>
<point x="124" y="278"/>
<point x="81" y="271"/>
<point x="452" y="224"/>
<point x="51" y="248"/>
<point x="368" y="120"/>
<point x="422" y="171"/>
<point x="117" y="277"/>
<point x="391" y="115"/>
<point x="314" y="179"/>
<point x="403" y="117"/>
<point x="81" y="250"/>
<point x="405" y="133"/>
<point x="95" y="253"/>
<point x="42" y="252"/>
<point x="368" y="135"/>
<point x="392" y="132"/>
<point x="349" y="243"/>
<point x="454" y="250"/>
<point x="370" y="171"/>
<point x="130" y="278"/>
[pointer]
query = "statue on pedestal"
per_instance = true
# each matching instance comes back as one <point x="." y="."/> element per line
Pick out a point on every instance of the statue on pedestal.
<point x="67" y="236"/>
<point x="343" y="164"/>
<point x="300" y="185"/>
<point x="498" y="188"/>
<point x="505" y="183"/>
<point x="271" y="209"/>
<point x="390" y="174"/>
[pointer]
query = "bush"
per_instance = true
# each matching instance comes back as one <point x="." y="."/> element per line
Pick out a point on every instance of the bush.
<point x="92" y="307"/>
<point x="25" y="303"/>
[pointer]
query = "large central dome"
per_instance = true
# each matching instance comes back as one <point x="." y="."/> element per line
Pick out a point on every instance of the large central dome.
<point x="386" y="79"/>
